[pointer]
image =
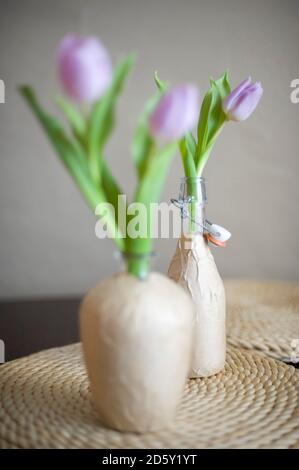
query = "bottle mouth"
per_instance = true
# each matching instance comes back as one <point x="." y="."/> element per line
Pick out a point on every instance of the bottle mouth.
<point x="194" y="187"/>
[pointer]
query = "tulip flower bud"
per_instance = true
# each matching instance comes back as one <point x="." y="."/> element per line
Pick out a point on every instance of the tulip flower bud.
<point x="84" y="67"/>
<point x="176" y="113"/>
<point x="243" y="100"/>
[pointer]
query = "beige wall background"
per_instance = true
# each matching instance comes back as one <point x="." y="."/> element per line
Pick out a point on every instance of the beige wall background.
<point x="47" y="241"/>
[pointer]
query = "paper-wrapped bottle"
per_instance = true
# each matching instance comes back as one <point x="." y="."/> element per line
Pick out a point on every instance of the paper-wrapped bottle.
<point x="194" y="268"/>
<point x="137" y="343"/>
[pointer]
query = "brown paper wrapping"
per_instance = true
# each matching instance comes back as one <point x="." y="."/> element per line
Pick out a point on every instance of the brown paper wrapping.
<point x="194" y="268"/>
<point x="137" y="340"/>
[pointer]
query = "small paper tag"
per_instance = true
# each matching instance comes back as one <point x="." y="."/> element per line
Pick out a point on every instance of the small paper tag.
<point x="214" y="241"/>
<point x="216" y="234"/>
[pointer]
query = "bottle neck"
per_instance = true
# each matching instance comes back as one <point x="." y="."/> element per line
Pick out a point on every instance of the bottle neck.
<point x="193" y="201"/>
<point x="137" y="264"/>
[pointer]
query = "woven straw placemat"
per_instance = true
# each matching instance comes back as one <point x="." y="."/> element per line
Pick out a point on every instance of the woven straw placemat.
<point x="46" y="403"/>
<point x="263" y="316"/>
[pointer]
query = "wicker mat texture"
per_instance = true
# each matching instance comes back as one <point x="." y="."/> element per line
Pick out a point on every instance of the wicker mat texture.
<point x="45" y="402"/>
<point x="264" y="316"/>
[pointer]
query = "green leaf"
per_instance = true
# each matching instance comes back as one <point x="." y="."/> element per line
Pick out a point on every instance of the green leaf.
<point x="143" y="143"/>
<point x="220" y="89"/>
<point x="148" y="191"/>
<point x="76" y="120"/>
<point x="71" y="156"/>
<point x="155" y="164"/>
<point x="102" y="116"/>
<point x="187" y="158"/>
<point x="203" y="123"/>
<point x="151" y="163"/>
<point x="223" y="85"/>
<point x="211" y="119"/>
<point x="110" y="188"/>
<point x="70" y="152"/>
<point x="162" y="86"/>
<point x="151" y="184"/>
<point x="190" y="143"/>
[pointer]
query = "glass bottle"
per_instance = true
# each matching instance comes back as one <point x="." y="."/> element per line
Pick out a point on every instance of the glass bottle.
<point x="193" y="267"/>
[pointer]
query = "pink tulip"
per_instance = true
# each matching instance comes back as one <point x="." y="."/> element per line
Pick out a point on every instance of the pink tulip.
<point x="84" y="67"/>
<point x="243" y="100"/>
<point x="176" y="113"/>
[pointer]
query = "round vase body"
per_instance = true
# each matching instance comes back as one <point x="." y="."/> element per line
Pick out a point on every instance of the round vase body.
<point x="137" y="340"/>
<point x="194" y="268"/>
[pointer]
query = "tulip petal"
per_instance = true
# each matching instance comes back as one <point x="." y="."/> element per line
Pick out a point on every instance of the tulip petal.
<point x="176" y="113"/>
<point x="247" y="103"/>
<point x="69" y="41"/>
<point x="84" y="67"/>
<point x="229" y="102"/>
<point x="241" y="103"/>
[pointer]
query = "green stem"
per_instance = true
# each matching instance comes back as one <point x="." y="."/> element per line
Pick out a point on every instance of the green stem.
<point x="193" y="210"/>
<point x="189" y="165"/>
<point x="193" y="205"/>
<point x="204" y="156"/>
<point x="138" y="250"/>
<point x="94" y="161"/>
<point x="139" y="268"/>
<point x="148" y="192"/>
